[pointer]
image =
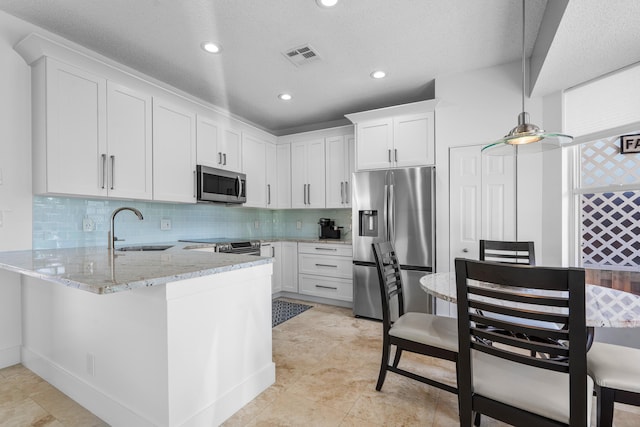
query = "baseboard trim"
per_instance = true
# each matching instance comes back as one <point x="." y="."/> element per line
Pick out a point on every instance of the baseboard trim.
<point x="102" y="405"/>
<point x="227" y="405"/>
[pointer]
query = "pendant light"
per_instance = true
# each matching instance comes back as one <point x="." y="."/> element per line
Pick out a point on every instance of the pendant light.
<point x="526" y="137"/>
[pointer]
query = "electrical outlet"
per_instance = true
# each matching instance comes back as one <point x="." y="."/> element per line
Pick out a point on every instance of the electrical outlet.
<point x="256" y="224"/>
<point x="91" y="364"/>
<point x="165" y="224"/>
<point x="298" y="225"/>
<point x="88" y="224"/>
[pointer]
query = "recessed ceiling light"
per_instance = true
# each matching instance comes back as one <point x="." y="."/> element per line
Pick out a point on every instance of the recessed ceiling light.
<point x="379" y="74"/>
<point x="327" y="3"/>
<point x="211" y="47"/>
<point x="284" y="96"/>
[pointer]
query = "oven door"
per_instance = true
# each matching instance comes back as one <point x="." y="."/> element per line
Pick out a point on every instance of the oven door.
<point x="217" y="185"/>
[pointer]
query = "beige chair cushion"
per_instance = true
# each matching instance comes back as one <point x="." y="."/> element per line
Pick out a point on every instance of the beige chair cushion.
<point x="437" y="331"/>
<point x="614" y="366"/>
<point x="535" y="390"/>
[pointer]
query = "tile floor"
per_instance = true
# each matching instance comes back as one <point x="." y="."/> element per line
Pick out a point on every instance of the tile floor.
<point x="326" y="368"/>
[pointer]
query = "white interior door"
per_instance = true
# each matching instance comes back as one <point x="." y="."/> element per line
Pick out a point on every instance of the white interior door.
<point x="481" y="204"/>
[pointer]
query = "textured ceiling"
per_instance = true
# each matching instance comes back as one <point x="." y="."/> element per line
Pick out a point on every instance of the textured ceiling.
<point x="414" y="41"/>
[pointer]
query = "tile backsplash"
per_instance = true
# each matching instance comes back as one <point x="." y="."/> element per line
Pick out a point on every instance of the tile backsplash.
<point x="58" y="222"/>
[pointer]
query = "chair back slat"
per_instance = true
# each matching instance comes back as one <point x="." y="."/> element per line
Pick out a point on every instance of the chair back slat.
<point x="519" y="328"/>
<point x="543" y="316"/>
<point x="518" y="297"/>
<point x="560" y="365"/>
<point x="552" y="347"/>
<point x="391" y="280"/>
<point x="507" y="252"/>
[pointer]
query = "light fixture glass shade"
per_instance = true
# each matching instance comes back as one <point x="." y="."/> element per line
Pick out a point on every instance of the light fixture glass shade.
<point x="528" y="137"/>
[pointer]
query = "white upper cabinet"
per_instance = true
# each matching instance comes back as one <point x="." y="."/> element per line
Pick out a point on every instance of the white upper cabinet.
<point x="339" y="167"/>
<point x="271" y="164"/>
<point x="283" y="176"/>
<point x="69" y="130"/>
<point x="174" y="152"/>
<point x="218" y="146"/>
<point x="129" y="143"/>
<point x="398" y="136"/>
<point x="254" y="152"/>
<point x="308" y="174"/>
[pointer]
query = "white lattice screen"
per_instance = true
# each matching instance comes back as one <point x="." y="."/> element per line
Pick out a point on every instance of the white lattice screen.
<point x="610" y="219"/>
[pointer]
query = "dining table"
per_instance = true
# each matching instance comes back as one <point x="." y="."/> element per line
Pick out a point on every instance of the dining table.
<point x="605" y="307"/>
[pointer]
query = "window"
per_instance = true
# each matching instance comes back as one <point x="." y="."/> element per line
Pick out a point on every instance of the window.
<point x="608" y="197"/>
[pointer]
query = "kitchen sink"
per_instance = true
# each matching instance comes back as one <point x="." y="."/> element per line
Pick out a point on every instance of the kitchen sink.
<point x="145" y="248"/>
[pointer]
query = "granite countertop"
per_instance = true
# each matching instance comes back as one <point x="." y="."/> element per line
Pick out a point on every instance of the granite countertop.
<point x="98" y="270"/>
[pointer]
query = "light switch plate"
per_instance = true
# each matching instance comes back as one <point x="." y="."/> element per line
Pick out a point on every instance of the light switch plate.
<point x="256" y="224"/>
<point x="165" y="224"/>
<point x="298" y="225"/>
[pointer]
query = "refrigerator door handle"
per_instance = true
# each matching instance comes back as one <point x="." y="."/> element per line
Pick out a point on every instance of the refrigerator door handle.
<point x="392" y="214"/>
<point x="386" y="211"/>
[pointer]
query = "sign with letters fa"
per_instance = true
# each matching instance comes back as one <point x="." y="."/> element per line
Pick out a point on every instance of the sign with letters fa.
<point x="630" y="144"/>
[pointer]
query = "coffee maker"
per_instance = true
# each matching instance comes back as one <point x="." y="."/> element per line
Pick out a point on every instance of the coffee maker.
<point x="328" y="229"/>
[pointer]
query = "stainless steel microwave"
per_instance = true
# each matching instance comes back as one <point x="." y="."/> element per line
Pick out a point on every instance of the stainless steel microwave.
<point x="218" y="185"/>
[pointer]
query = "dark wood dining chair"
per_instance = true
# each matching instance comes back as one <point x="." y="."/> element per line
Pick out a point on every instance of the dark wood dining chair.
<point x="616" y="371"/>
<point x="508" y="252"/>
<point x="503" y="381"/>
<point x="421" y="333"/>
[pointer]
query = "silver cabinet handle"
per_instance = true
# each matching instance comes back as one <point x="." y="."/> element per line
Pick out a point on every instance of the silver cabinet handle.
<point x="304" y="193"/>
<point x="465" y="250"/>
<point x="268" y="194"/>
<point x="327" y="287"/>
<point x="326" y="265"/>
<point x="195" y="185"/>
<point x="224" y="157"/>
<point x="273" y="252"/>
<point x="396" y="154"/>
<point x="113" y="171"/>
<point x="389" y="155"/>
<point x="104" y="170"/>
<point x="342" y="192"/>
<point x="309" y="193"/>
<point x="219" y="158"/>
<point x="326" y="249"/>
<point x="346" y="192"/>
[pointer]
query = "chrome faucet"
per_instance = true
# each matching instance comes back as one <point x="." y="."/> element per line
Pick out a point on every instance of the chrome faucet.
<point x="112" y="238"/>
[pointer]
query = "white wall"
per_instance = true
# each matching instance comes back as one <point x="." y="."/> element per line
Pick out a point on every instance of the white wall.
<point x="477" y="108"/>
<point x="15" y="179"/>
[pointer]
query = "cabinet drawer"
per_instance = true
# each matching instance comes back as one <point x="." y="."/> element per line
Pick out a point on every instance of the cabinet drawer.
<point x="327" y="265"/>
<point x="325" y="249"/>
<point x="326" y="287"/>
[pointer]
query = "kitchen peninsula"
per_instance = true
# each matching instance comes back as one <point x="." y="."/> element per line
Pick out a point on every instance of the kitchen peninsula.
<point x="163" y="338"/>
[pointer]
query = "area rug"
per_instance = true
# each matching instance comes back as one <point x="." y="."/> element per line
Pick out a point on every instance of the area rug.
<point x="281" y="311"/>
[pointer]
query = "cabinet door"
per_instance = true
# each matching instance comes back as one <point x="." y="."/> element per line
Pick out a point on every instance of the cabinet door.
<point x="254" y="166"/>
<point x="207" y="139"/>
<point x="129" y="142"/>
<point x="231" y="148"/>
<point x="283" y="176"/>
<point x="335" y="172"/>
<point x="298" y="175"/>
<point x="273" y="250"/>
<point x="413" y="140"/>
<point x="289" y="266"/>
<point x="174" y="153"/>
<point x="75" y="142"/>
<point x="351" y="167"/>
<point x="315" y="164"/>
<point x="272" y="176"/>
<point x="374" y="144"/>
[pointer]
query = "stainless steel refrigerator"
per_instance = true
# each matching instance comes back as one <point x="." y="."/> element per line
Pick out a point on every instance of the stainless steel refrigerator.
<point x="395" y="205"/>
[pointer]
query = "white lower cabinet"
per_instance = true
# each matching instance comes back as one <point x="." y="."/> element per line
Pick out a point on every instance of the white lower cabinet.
<point x="325" y="270"/>
<point x="285" y="266"/>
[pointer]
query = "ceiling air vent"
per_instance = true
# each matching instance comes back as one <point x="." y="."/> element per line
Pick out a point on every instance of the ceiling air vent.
<point x="301" y="55"/>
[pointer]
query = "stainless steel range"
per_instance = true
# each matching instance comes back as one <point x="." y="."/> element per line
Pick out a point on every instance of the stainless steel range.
<point x="230" y="246"/>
